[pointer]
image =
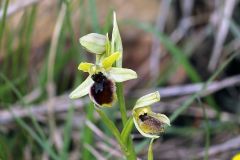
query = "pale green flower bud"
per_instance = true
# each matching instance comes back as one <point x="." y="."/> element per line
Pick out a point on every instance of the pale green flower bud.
<point x="94" y="43"/>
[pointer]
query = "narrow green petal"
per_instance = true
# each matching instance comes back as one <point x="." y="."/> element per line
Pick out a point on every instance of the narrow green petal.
<point x="122" y="74"/>
<point x="84" y="66"/>
<point x="147" y="100"/>
<point x="108" y="61"/>
<point x="82" y="89"/>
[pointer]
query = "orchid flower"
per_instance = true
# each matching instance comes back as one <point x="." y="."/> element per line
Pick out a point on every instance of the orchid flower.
<point x="147" y="122"/>
<point x="100" y="84"/>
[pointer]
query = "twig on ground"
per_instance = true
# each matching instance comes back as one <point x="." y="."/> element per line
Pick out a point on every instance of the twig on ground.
<point x="94" y="152"/>
<point x="110" y="150"/>
<point x="221" y="34"/>
<point x="32" y="96"/>
<point x="193" y="88"/>
<point x="60" y="104"/>
<point x="221" y="148"/>
<point x="99" y="133"/>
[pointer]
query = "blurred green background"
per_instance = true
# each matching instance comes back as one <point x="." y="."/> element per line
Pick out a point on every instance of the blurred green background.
<point x="186" y="49"/>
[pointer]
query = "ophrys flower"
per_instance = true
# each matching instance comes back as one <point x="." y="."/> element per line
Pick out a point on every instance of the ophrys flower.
<point x="100" y="84"/>
<point x="149" y="123"/>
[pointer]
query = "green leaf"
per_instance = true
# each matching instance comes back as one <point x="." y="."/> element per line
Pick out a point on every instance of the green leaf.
<point x="150" y="151"/>
<point x="127" y="130"/>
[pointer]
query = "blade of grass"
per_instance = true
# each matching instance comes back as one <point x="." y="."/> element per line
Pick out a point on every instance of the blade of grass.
<point x="43" y="143"/>
<point x="93" y="13"/>
<point x="20" y="97"/>
<point x="75" y="48"/>
<point x="189" y="101"/>
<point x="3" y="20"/>
<point x="83" y="27"/>
<point x="3" y="150"/>
<point x="67" y="134"/>
<point x="108" y="22"/>
<point x="87" y="136"/>
<point x="5" y="89"/>
<point x="207" y="129"/>
<point x="29" y="31"/>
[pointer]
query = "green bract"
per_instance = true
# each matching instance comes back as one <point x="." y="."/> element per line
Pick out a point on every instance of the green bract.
<point x="94" y="43"/>
<point x="148" y="123"/>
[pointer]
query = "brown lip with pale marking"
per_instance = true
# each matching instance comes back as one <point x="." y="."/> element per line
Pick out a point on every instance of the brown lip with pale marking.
<point x="151" y="124"/>
<point x="103" y="89"/>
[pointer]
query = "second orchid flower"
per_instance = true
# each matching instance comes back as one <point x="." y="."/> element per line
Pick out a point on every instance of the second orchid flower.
<point x="147" y="122"/>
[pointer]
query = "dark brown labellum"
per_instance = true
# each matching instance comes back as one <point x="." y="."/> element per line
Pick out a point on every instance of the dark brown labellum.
<point x="102" y="90"/>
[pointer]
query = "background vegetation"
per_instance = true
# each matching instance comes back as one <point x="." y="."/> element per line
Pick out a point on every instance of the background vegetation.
<point x="188" y="50"/>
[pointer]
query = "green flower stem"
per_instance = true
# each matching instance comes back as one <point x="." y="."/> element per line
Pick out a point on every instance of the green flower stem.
<point x="111" y="126"/>
<point x="127" y="139"/>
<point x="132" y="153"/>
<point x="150" y="150"/>
<point x="123" y="111"/>
<point x="121" y="102"/>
